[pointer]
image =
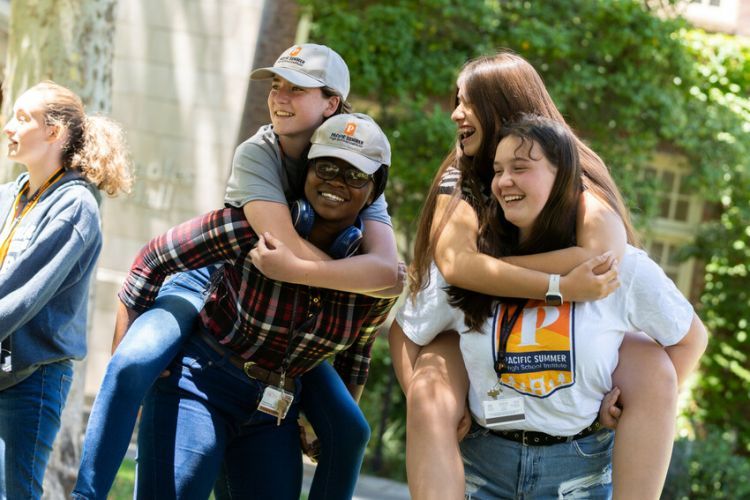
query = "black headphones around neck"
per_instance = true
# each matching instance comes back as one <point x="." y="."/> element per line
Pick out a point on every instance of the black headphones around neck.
<point x="346" y="243"/>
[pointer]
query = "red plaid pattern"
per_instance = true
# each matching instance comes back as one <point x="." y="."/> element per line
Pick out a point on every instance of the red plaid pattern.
<point x="251" y="314"/>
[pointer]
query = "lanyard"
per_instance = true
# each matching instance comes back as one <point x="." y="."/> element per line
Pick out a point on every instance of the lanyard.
<point x="286" y="361"/>
<point x="14" y="217"/>
<point x="507" y="322"/>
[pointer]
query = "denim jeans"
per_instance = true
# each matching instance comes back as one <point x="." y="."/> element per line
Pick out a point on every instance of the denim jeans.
<point x="150" y="344"/>
<point x="497" y="468"/>
<point x="342" y="429"/>
<point x="29" y="421"/>
<point x="204" y="415"/>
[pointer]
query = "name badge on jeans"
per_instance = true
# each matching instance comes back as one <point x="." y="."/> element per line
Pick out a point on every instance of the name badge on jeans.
<point x="276" y="402"/>
<point x="504" y="411"/>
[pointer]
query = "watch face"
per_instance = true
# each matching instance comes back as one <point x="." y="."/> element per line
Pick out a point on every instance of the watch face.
<point x="553" y="299"/>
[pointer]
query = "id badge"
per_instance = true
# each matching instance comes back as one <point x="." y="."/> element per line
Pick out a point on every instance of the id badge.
<point x="504" y="411"/>
<point x="276" y="402"/>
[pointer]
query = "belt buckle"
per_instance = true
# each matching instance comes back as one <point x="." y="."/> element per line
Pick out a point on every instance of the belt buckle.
<point x="247" y="367"/>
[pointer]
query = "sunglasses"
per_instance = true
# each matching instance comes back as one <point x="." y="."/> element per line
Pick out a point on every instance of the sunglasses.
<point x="353" y="177"/>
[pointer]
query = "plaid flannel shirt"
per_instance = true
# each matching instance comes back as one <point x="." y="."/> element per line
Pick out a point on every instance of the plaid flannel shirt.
<point x="252" y="315"/>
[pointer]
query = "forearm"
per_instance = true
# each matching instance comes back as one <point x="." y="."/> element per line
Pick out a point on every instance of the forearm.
<point x="599" y="229"/>
<point x="462" y="265"/>
<point x="373" y="270"/>
<point x="557" y="262"/>
<point x="348" y="275"/>
<point x="686" y="353"/>
<point x="404" y="354"/>
<point x="485" y="274"/>
<point x="267" y="216"/>
<point x="124" y="317"/>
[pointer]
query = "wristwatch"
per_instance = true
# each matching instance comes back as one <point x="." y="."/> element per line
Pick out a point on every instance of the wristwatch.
<point x="553" y="296"/>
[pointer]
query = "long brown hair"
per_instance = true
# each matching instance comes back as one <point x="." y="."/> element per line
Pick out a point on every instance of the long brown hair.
<point x="94" y="145"/>
<point x="499" y="88"/>
<point x="555" y="226"/>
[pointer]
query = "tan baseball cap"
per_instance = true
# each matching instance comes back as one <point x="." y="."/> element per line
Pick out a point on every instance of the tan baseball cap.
<point x="310" y="66"/>
<point x="354" y="138"/>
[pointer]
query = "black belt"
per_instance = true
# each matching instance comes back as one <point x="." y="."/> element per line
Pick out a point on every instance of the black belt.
<point x="249" y="368"/>
<point x="533" y="438"/>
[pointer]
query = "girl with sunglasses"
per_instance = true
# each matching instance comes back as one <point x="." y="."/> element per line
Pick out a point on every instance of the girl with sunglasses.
<point x="228" y="409"/>
<point x="310" y="83"/>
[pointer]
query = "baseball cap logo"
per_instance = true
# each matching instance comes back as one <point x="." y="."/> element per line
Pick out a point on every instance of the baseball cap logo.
<point x="296" y="50"/>
<point x="350" y="128"/>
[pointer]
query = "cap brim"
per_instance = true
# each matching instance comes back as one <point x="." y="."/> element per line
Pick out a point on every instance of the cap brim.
<point x="362" y="163"/>
<point x="293" y="76"/>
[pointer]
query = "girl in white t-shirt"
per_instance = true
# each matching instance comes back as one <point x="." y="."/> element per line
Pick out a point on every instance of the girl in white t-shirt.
<point x="492" y="90"/>
<point x="538" y="371"/>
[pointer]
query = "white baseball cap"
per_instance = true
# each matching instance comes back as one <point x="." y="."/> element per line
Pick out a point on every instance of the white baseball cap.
<point x="354" y="138"/>
<point x="310" y="66"/>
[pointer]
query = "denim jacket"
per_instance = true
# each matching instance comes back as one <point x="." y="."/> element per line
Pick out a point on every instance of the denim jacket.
<point x="44" y="280"/>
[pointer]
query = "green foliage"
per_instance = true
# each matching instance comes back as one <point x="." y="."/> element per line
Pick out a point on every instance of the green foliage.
<point x="628" y="80"/>
<point x="707" y="468"/>
<point x="385" y="407"/>
<point x="721" y="150"/>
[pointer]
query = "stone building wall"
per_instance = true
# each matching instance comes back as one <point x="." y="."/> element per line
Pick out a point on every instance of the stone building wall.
<point x="180" y="78"/>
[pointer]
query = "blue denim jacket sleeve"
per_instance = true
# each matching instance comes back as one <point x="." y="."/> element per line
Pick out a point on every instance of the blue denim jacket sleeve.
<point x="67" y="239"/>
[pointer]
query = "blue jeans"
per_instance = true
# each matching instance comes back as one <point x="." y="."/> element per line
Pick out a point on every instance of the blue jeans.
<point x="29" y="420"/>
<point x="497" y="468"/>
<point x="204" y="415"/>
<point x="150" y="344"/>
<point x="342" y="429"/>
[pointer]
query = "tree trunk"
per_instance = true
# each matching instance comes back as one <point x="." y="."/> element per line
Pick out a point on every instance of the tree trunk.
<point x="278" y="30"/>
<point x="70" y="42"/>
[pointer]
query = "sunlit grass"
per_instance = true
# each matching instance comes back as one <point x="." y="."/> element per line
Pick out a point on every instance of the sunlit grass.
<point x="122" y="489"/>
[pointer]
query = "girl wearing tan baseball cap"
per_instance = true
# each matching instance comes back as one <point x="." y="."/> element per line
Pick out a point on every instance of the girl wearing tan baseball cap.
<point x="309" y="85"/>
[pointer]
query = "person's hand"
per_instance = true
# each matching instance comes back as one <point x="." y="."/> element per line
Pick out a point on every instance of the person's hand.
<point x="464" y="424"/>
<point x="274" y="259"/>
<point x="396" y="289"/>
<point x="610" y="411"/>
<point x="310" y="446"/>
<point x="592" y="280"/>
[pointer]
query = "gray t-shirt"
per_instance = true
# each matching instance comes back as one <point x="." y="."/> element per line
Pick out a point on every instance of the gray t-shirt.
<point x="258" y="173"/>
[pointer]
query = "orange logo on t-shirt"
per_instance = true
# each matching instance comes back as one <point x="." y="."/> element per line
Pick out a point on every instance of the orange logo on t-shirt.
<point x="539" y="352"/>
<point x="350" y="129"/>
<point x="295" y="51"/>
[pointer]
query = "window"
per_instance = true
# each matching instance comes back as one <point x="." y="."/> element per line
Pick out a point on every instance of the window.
<point x="678" y="216"/>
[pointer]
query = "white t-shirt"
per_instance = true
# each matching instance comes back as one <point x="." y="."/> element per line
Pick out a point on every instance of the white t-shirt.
<point x="559" y="359"/>
<point x="260" y="173"/>
<point x="429" y="313"/>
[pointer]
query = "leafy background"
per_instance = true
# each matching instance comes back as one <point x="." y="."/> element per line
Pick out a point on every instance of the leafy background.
<point x="632" y="77"/>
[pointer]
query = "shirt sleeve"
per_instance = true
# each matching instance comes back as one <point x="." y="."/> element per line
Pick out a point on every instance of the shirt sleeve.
<point x="429" y="313"/>
<point x="378" y="211"/>
<point x="451" y="180"/>
<point x="218" y="236"/>
<point x="255" y="176"/>
<point x="655" y="305"/>
<point x="36" y="276"/>
<point x="353" y="364"/>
